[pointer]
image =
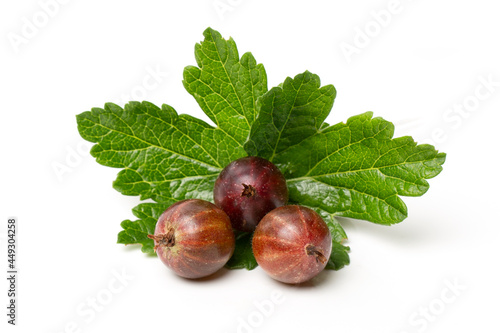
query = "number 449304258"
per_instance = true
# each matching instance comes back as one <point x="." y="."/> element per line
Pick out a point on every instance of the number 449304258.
<point x="11" y="240"/>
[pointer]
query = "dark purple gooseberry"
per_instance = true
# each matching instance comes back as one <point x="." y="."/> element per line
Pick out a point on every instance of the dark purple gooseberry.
<point x="194" y="238"/>
<point x="292" y="244"/>
<point x="247" y="189"/>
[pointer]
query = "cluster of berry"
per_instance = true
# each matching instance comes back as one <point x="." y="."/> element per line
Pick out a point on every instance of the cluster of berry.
<point x="196" y="238"/>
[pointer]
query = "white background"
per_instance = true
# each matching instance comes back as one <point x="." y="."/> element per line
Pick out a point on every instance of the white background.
<point x="420" y="66"/>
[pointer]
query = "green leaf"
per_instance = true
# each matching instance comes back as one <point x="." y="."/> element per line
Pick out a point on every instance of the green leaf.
<point x="339" y="257"/>
<point x="358" y="170"/>
<point x="136" y="232"/>
<point x="169" y="157"/>
<point x="243" y="254"/>
<point x="288" y="114"/>
<point x="164" y="156"/>
<point x="225" y="86"/>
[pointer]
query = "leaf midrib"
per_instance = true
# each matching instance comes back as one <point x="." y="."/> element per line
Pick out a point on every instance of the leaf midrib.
<point x="306" y="177"/>
<point x="170" y="179"/>
<point x="154" y="145"/>
<point x="287" y="119"/>
<point x="367" y="194"/>
<point x="229" y="80"/>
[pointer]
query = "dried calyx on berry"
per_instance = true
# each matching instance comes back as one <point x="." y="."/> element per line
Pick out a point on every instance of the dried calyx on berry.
<point x="247" y="189"/>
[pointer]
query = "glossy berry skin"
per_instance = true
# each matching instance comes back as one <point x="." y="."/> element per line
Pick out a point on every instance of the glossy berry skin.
<point x="194" y="238"/>
<point x="292" y="244"/>
<point x="247" y="189"/>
